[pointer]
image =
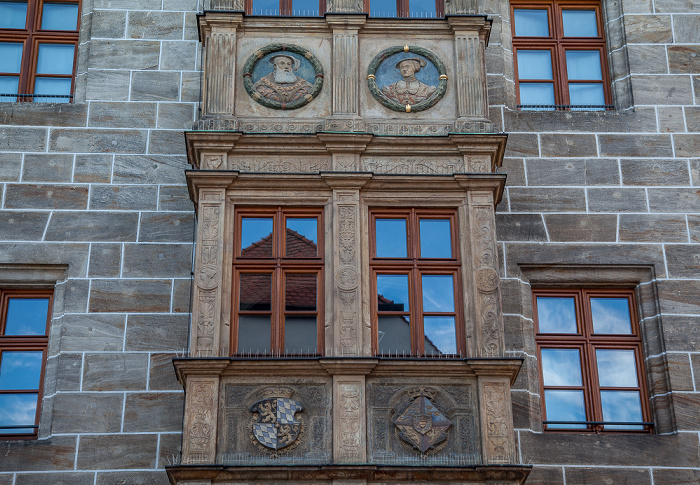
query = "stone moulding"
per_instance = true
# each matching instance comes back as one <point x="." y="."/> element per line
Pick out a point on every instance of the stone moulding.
<point x="427" y="103"/>
<point x="280" y="47"/>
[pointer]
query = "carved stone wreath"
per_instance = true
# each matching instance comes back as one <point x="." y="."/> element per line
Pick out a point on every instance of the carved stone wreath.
<point x="426" y="103"/>
<point x="279" y="47"/>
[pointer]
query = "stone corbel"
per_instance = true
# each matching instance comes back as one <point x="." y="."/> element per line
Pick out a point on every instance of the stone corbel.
<point x="482" y="153"/>
<point x="209" y="151"/>
<point x="345" y="149"/>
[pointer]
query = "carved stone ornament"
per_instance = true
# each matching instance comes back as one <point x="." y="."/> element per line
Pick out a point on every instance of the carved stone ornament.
<point x="487" y="280"/>
<point x="275" y="426"/>
<point x="421" y="424"/>
<point x="407" y="78"/>
<point x="283" y="76"/>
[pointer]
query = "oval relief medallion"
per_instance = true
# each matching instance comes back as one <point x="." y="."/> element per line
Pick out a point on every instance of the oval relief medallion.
<point x="283" y="76"/>
<point x="407" y="78"/>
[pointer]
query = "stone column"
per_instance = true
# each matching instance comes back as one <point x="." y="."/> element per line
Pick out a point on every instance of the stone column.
<point x="497" y="434"/>
<point x="200" y="426"/>
<point x="345" y="101"/>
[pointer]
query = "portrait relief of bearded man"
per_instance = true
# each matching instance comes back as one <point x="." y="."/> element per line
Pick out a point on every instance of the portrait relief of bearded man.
<point x="282" y="84"/>
<point x="409" y="90"/>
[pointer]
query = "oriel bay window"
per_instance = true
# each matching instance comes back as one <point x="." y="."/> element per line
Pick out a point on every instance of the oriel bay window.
<point x="560" y="55"/>
<point x="590" y="357"/>
<point x="38" y="45"/>
<point x="278" y="282"/>
<point x="416" y="283"/>
<point x="24" y="323"/>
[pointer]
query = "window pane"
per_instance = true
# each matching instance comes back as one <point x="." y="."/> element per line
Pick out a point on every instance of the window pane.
<point x="256" y="237"/>
<point x="307" y="8"/>
<point x="621" y="406"/>
<point x="583" y="65"/>
<point x="531" y="23"/>
<point x="435" y="238"/>
<point x="556" y="315"/>
<point x="438" y="293"/>
<point x="579" y="23"/>
<point x="20" y="370"/>
<point x="300" y="292"/>
<point x="392" y="293"/>
<point x="302" y="237"/>
<point x="13" y="15"/>
<point x="382" y="8"/>
<point x="440" y="335"/>
<point x="59" y="16"/>
<point x="537" y="94"/>
<point x="255" y="291"/>
<point x="616" y="368"/>
<point x="394" y="333"/>
<point x="587" y="94"/>
<point x="52" y="86"/>
<point x="55" y="59"/>
<point x="8" y="86"/>
<point x="300" y="335"/>
<point x="561" y="367"/>
<point x="421" y="8"/>
<point x="266" y="7"/>
<point x="254" y="334"/>
<point x="534" y="64"/>
<point x="27" y="316"/>
<point x="17" y="410"/>
<point x="565" y="406"/>
<point x="10" y="57"/>
<point x="611" y="316"/>
<point x="391" y="238"/>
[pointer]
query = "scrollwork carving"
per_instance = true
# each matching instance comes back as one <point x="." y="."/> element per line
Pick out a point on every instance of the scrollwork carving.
<point x="349" y="405"/>
<point x="496" y="421"/>
<point x="413" y="165"/>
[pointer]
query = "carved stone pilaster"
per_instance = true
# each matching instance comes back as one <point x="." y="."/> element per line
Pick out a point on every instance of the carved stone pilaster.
<point x="349" y="430"/>
<point x="219" y="40"/>
<point x="489" y="318"/>
<point x="344" y="6"/>
<point x="496" y="420"/>
<point x="460" y="7"/>
<point x="199" y="430"/>
<point x="206" y="305"/>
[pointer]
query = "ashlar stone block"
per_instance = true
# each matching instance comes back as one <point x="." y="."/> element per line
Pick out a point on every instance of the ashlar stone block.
<point x="115" y="372"/>
<point x="105" y="452"/>
<point x="128" y="295"/>
<point x="32" y="196"/>
<point x="47" y="167"/>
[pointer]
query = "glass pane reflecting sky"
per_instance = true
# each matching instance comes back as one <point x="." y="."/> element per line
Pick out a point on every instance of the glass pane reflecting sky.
<point x="60" y="16"/>
<point x="438" y="293"/>
<point x="435" y="238"/>
<point x="534" y="64"/>
<point x="297" y="247"/>
<point x="611" y="316"/>
<point x="20" y="370"/>
<point x="561" y="367"/>
<point x="564" y="406"/>
<point x="579" y="23"/>
<point x="440" y="336"/>
<point x="531" y="23"/>
<point x="556" y="315"/>
<point x="27" y="316"/>
<point x="621" y="406"/>
<point x="391" y="238"/>
<point x="583" y="65"/>
<point x="616" y="368"/>
<point x="254" y="230"/>
<point x="382" y="8"/>
<point x="16" y="410"/>
<point x="13" y="15"/>
<point x="55" y="59"/>
<point x="392" y="293"/>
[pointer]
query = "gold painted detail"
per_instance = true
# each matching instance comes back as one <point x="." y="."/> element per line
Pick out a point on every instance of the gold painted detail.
<point x="443" y="76"/>
<point x="405" y="48"/>
<point x="370" y="76"/>
<point x="408" y="108"/>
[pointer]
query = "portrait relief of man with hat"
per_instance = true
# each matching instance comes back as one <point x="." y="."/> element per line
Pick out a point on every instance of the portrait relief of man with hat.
<point x="282" y="84"/>
<point x="409" y="90"/>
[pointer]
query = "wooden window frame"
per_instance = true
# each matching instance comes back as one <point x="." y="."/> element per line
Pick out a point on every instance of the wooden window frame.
<point x="25" y="343"/>
<point x="414" y="266"/>
<point x="278" y="265"/>
<point x="558" y="44"/>
<point x="588" y="342"/>
<point x="286" y="7"/>
<point x="403" y="8"/>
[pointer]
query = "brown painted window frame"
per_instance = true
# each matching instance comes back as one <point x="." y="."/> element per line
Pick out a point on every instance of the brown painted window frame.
<point x="558" y="45"/>
<point x="588" y="342"/>
<point x="415" y="266"/>
<point x="25" y="342"/>
<point x="285" y="7"/>
<point x="403" y="10"/>
<point x="30" y="37"/>
<point x="278" y="266"/>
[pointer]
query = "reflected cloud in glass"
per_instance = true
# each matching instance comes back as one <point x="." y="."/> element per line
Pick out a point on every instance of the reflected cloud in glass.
<point x="17" y="410"/>
<point x="565" y="406"/>
<point x="561" y="367"/>
<point x="621" y="406"/>
<point x="27" y="316"/>
<point x="616" y="368"/>
<point x="20" y="370"/>
<point x="440" y="336"/>
<point x="611" y="316"/>
<point x="556" y="315"/>
<point x="438" y="293"/>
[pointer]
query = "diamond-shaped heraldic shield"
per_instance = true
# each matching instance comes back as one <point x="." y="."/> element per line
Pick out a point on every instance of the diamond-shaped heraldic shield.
<point x="421" y="424"/>
<point x="275" y="425"/>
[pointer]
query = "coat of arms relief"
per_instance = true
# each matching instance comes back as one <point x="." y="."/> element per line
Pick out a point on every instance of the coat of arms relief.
<point x="421" y="424"/>
<point x="275" y="426"/>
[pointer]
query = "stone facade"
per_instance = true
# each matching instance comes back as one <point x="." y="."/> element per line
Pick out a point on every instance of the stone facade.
<point x="95" y="202"/>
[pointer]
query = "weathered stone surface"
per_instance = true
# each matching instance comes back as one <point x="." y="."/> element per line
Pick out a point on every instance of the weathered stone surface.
<point x="93" y="168"/>
<point x="520" y="227"/>
<point x="190" y="87"/>
<point x="124" y="197"/>
<point x="567" y="145"/>
<point x="122" y="115"/>
<point x="157" y="260"/>
<point x="157" y="333"/>
<point x="95" y="226"/>
<point x="92" y="332"/>
<point x="108" y="24"/>
<point x="551" y="199"/>
<point x="674" y="200"/>
<point x="515" y="169"/>
<point x="149" y="169"/>
<point x="181" y="295"/>
<point x="155" y="86"/>
<point x="694" y="226"/>
<point x="75" y="255"/>
<point x="654" y="172"/>
<point x="31" y="196"/>
<point x="63" y="478"/>
<point x="105" y="260"/>
<point x="648" y="29"/>
<point x="108" y="85"/>
<point x="607" y="476"/>
<point x="174" y="198"/>
<point x="692" y="120"/>
<point x="107" y="452"/>
<point x="130" y="296"/>
<point x="683" y="260"/>
<point x="161" y="375"/>
<point x="47" y="167"/>
<point x="683" y="59"/>
<point x="98" y="140"/>
<point x="7" y="479"/>
<point x="581" y="227"/>
<point x="153" y="411"/>
<point x="87" y="412"/>
<point x="681" y="333"/>
<point x="679" y="296"/>
<point x="617" y="199"/>
<point x="38" y="114"/>
<point x="170" y="446"/>
<point x="68" y="372"/>
<point x="23" y="139"/>
<point x="76" y="295"/>
<point x="685" y="406"/>
<point x="10" y="167"/>
<point x="541" y="475"/>
<point x="166" y="227"/>
<point x="175" y="116"/>
<point x="674" y="90"/>
<point x="133" y="478"/>
<point x="635" y="146"/>
<point x="124" y="54"/>
<point x="128" y="4"/>
<point x="653" y="228"/>
<point x="687" y="145"/>
<point x="56" y="454"/>
<point x="695" y="359"/>
<point x="666" y="476"/>
<point x="586" y="171"/>
<point x="115" y="372"/>
<point x="178" y="56"/>
<point x="522" y="145"/>
<point x="170" y="142"/>
<point x="647" y="59"/>
<point x="686" y="29"/>
<point x="22" y="225"/>
<point x="642" y="119"/>
<point x="155" y="25"/>
<point x="679" y="370"/>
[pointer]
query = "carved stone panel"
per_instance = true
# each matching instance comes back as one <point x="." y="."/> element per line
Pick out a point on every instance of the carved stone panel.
<point x="349" y="421"/>
<point x="497" y="420"/>
<point x="413" y="165"/>
<point x="446" y="430"/>
<point x="200" y="426"/>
